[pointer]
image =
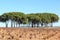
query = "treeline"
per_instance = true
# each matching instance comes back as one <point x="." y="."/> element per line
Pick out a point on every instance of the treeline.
<point x="33" y="19"/>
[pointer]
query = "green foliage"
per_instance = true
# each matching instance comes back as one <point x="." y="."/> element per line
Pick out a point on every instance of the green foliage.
<point x="33" y="18"/>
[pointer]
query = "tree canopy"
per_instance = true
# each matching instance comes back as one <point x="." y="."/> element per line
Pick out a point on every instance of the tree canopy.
<point x="42" y="19"/>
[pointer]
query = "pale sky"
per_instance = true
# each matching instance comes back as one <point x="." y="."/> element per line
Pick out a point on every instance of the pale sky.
<point x="30" y="6"/>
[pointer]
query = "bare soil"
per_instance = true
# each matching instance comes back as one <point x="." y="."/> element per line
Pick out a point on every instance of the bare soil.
<point x="29" y="33"/>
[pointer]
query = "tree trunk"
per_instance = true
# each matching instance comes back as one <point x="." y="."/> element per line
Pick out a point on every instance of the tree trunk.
<point x="19" y="25"/>
<point x="51" y="24"/>
<point x="45" y="24"/>
<point x="41" y="24"/>
<point x="6" y="24"/>
<point x="32" y="25"/>
<point x="11" y="23"/>
<point x="29" y="25"/>
<point x="14" y="23"/>
<point x="37" y="24"/>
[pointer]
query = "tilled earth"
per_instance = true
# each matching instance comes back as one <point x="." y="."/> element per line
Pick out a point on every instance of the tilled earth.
<point x="29" y="33"/>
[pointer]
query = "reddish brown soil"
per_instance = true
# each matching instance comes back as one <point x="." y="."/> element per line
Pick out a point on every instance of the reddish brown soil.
<point x="29" y="33"/>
